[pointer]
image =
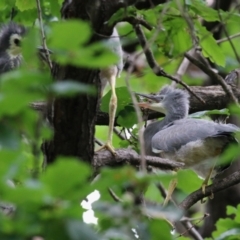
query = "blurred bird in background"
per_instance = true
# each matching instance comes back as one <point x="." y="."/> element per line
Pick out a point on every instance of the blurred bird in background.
<point x="109" y="75"/>
<point x="10" y="46"/>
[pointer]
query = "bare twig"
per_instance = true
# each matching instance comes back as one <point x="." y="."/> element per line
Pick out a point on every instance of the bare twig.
<point x="98" y="142"/>
<point x="227" y="35"/>
<point x="192" y="230"/>
<point x="134" y="21"/>
<point x="212" y="75"/>
<point x="139" y="118"/>
<point x="194" y="197"/>
<point x="43" y="34"/>
<point x="183" y="66"/>
<point x="119" y="134"/>
<point x="114" y="196"/>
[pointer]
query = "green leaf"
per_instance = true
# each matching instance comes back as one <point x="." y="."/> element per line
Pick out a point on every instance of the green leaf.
<point x="209" y="46"/>
<point x="65" y="172"/>
<point x="72" y="40"/>
<point x="127" y="117"/>
<point x="19" y="88"/>
<point x="188" y="181"/>
<point x="70" y="88"/>
<point x="224" y="225"/>
<point x="9" y="138"/>
<point x="79" y="230"/>
<point x="156" y="233"/>
<point x="23" y="5"/>
<point x="123" y="100"/>
<point x="129" y="11"/>
<point x="201" y="114"/>
<point x="202" y="9"/>
<point x="153" y="194"/>
<point x="231" y="210"/>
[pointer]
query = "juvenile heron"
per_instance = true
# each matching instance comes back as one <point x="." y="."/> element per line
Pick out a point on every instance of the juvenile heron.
<point x="195" y="142"/>
<point x="10" y="46"/>
<point x="109" y="75"/>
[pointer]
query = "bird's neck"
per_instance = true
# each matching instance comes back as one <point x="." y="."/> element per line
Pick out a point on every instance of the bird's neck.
<point x="176" y="113"/>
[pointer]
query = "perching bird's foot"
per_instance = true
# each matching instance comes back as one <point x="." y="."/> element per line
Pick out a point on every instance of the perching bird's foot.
<point x="203" y="200"/>
<point x="204" y="185"/>
<point x="108" y="146"/>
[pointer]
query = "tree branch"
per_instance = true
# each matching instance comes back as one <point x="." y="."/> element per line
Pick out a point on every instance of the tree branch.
<point x="214" y="96"/>
<point x="224" y="183"/>
<point x="212" y="75"/>
<point x="103" y="158"/>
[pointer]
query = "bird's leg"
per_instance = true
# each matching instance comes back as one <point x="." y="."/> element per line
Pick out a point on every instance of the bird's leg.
<point x="171" y="188"/>
<point x="205" y="182"/>
<point x="112" y="113"/>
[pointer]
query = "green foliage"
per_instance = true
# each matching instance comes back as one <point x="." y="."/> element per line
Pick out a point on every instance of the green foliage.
<point x="228" y="228"/>
<point x="47" y="202"/>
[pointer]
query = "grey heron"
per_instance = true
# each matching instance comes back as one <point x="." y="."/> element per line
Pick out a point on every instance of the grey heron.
<point x="195" y="142"/>
<point x="109" y="75"/>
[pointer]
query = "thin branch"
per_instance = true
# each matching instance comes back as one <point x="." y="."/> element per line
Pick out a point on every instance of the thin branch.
<point x="119" y="134"/>
<point x="224" y="183"/>
<point x="98" y="142"/>
<point x="183" y="66"/>
<point x="123" y="156"/>
<point x="227" y="35"/>
<point x="43" y="34"/>
<point x="139" y="118"/>
<point x="153" y="63"/>
<point x="192" y="230"/>
<point x="114" y="196"/>
<point x="227" y="38"/>
<point x="212" y="75"/>
<point x="135" y="21"/>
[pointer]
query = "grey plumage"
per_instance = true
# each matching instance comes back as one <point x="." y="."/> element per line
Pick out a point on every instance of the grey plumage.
<point x="177" y="104"/>
<point x="10" y="45"/>
<point x="195" y="142"/>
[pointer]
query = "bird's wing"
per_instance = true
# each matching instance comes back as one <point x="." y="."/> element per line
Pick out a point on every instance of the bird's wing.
<point x="5" y="64"/>
<point x="180" y="132"/>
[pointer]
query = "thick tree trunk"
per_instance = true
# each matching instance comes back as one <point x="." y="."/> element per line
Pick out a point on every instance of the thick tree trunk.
<point x="73" y="119"/>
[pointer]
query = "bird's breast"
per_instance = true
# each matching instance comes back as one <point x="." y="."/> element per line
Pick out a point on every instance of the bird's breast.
<point x="196" y="155"/>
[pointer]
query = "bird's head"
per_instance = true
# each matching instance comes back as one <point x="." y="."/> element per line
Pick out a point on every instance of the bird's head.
<point x="10" y="39"/>
<point x="168" y="101"/>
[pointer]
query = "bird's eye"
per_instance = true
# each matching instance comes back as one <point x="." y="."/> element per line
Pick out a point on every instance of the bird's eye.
<point x="17" y="41"/>
<point x="161" y="98"/>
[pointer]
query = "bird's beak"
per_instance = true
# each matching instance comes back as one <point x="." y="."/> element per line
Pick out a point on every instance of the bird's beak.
<point x="154" y="103"/>
<point x="148" y="96"/>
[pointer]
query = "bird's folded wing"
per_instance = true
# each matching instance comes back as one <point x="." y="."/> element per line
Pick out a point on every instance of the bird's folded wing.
<point x="182" y="132"/>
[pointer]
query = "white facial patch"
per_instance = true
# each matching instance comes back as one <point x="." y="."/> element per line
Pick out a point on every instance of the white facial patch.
<point x="14" y="49"/>
<point x="158" y="107"/>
